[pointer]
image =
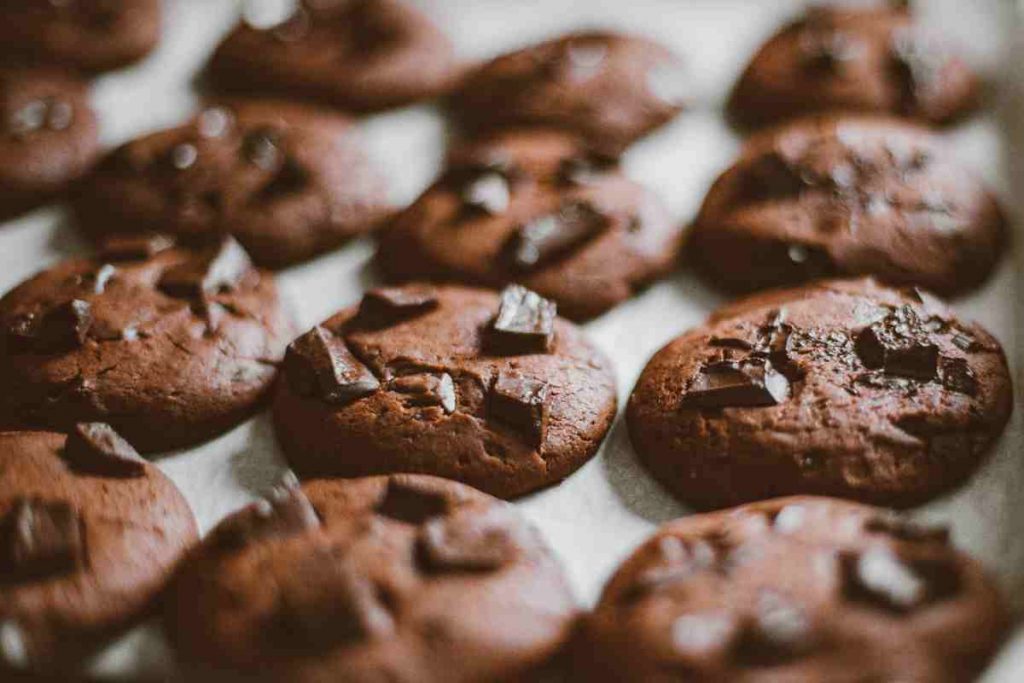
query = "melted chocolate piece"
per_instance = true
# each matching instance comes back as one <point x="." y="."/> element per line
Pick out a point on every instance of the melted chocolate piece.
<point x="394" y="303"/>
<point x="751" y="382"/>
<point x="63" y="327"/>
<point x="488" y="193"/>
<point x="40" y="540"/>
<point x="134" y="247"/>
<point x="469" y="540"/>
<point x="215" y="270"/>
<point x="262" y="148"/>
<point x="410" y="504"/>
<point x="779" y="631"/>
<point x="956" y="375"/>
<point x="95" y="448"/>
<point x="520" y="402"/>
<point x="554" y="235"/>
<point x="525" y="322"/>
<point x="285" y="512"/>
<point x="898" y="582"/>
<point x="899" y="345"/>
<point x="427" y="390"/>
<point x="320" y="364"/>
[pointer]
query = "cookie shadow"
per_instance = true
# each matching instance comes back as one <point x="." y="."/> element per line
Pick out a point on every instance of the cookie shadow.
<point x="631" y="482"/>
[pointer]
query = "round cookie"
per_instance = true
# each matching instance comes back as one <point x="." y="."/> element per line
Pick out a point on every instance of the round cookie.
<point x="875" y="59"/>
<point x="48" y="136"/>
<point x="609" y="87"/>
<point x="847" y="196"/>
<point x="844" y="388"/>
<point x="89" y="534"/>
<point x="493" y="391"/>
<point x="90" y="35"/>
<point x="171" y="346"/>
<point x="362" y="55"/>
<point x="538" y="208"/>
<point x="799" y="590"/>
<point x="287" y="181"/>
<point x="404" y="578"/>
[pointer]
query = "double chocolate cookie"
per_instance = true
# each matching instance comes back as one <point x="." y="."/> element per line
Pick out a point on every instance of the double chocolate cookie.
<point x="609" y="87"/>
<point x="362" y="55"/>
<point x="799" y="590"/>
<point x="539" y="208"/>
<point x="171" y="346"/>
<point x="401" y="578"/>
<point x="287" y="181"/>
<point x="848" y="196"/>
<point x="876" y="59"/>
<point x="89" y="534"/>
<point x="90" y="35"/>
<point x="843" y="388"/>
<point x="495" y="391"/>
<point x="48" y="136"/>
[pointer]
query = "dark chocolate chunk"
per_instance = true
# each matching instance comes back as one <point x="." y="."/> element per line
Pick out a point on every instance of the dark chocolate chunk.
<point x="488" y="193"/>
<point x="751" y="382"/>
<point x="965" y="342"/>
<point x="262" y="148"/>
<point x="915" y="64"/>
<point x="392" y="303"/>
<point x="134" y="247"/>
<point x="63" y="327"/>
<point x="956" y="375"/>
<point x="584" y="169"/>
<point x="897" y="582"/>
<point x="521" y="402"/>
<point x="102" y="276"/>
<point x="779" y="631"/>
<point x="320" y="364"/>
<point x="285" y="512"/>
<point x="772" y="176"/>
<point x="899" y="345"/>
<point x="95" y="447"/>
<point x="549" y="237"/>
<point x="525" y="322"/>
<point x="410" y="504"/>
<point x="469" y="540"/>
<point x="216" y="269"/>
<point x="39" y="540"/>
<point x="908" y="530"/>
<point x="427" y="390"/>
<point x="827" y="52"/>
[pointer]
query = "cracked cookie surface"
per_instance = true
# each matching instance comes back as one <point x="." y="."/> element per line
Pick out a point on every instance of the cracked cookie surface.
<point x="171" y="346"/>
<point x="844" y="388"/>
<point x="405" y="577"/>
<point x="493" y="391"/>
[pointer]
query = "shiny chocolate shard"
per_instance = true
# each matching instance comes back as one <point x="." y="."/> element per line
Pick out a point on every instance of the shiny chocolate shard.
<point x="213" y="270"/>
<point x="40" y="540"/>
<point x="62" y="328"/>
<point x="134" y="247"/>
<point x="551" y="236"/>
<point x="410" y="503"/>
<point x="427" y="390"/>
<point x="285" y="512"/>
<point x="320" y="364"/>
<point x="748" y="383"/>
<point x="95" y="448"/>
<point x="525" y="323"/>
<point x="899" y="345"/>
<point x="956" y="375"/>
<point x="386" y="304"/>
<point x="521" y="402"/>
<point x="888" y="579"/>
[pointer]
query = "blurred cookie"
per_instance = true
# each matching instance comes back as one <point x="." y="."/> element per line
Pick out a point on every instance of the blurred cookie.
<point x="539" y="208"/>
<point x="493" y="391"/>
<point x="843" y="388"/>
<point x="800" y="590"/>
<point x="848" y="196"/>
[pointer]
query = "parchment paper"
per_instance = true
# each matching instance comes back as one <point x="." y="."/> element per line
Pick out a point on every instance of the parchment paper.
<point x="601" y="513"/>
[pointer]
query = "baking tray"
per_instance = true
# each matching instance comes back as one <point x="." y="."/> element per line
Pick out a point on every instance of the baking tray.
<point x="595" y="518"/>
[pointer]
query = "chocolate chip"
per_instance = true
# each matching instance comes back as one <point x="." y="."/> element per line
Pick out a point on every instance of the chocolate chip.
<point x="899" y="345"/>
<point x="965" y="342"/>
<point x="427" y="390"/>
<point x="584" y="169"/>
<point x="751" y="382"/>
<point x="471" y="539"/>
<point x="285" y="512"/>
<point x="956" y="375"/>
<point x="214" y="122"/>
<point x="827" y="52"/>
<point x="552" y="236"/>
<point x="95" y="447"/>
<point x="134" y="247"/>
<point x="261" y="148"/>
<point x="907" y="530"/>
<point x="897" y="583"/>
<point x="525" y="322"/>
<point x="704" y="635"/>
<point x="395" y="303"/>
<point x="521" y="402"/>
<point x="488" y="193"/>
<point x="213" y="270"/>
<point x="675" y="562"/>
<point x="410" y="503"/>
<point x="40" y="540"/>
<point x="779" y="631"/>
<point x="320" y="364"/>
<point x="62" y="328"/>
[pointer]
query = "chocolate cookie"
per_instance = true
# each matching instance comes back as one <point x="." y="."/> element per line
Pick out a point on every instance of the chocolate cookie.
<point x="799" y="590"/>
<point x="89" y="534"/>
<point x="843" y="388"/>
<point x="494" y="391"/>
<point x="171" y="346"/>
<point x="540" y="209"/>
<point x="91" y="35"/>
<point x="48" y="136"/>
<point x="611" y="88"/>
<point x="848" y="196"/>
<point x="288" y="181"/>
<point x="363" y="55"/>
<point x="403" y="578"/>
<point x="876" y="59"/>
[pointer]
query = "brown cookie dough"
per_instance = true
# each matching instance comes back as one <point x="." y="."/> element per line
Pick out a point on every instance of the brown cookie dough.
<point x="48" y="136"/>
<point x="848" y="196"/>
<point x="287" y="181"/>
<point x="362" y="55"/>
<point x="171" y="346"/>
<point x="799" y="590"/>
<point x="403" y="578"/>
<point x="609" y="87"/>
<point x="493" y="391"/>
<point x="90" y="35"/>
<point x="875" y="59"/>
<point x="89" y="534"/>
<point x="843" y="388"/>
<point x="539" y="208"/>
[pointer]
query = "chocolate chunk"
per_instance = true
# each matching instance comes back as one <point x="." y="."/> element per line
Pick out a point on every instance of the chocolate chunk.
<point x="772" y="176"/>
<point x="285" y="512"/>
<point x="95" y="447"/>
<point x="779" y="631"/>
<point x="908" y="530"/>
<point x="521" y="403"/>
<point x="469" y="540"/>
<point x="584" y="169"/>
<point x="751" y="382"/>
<point x="827" y="52"/>
<point x="410" y="504"/>
<point x="915" y="64"/>
<point x="102" y="276"/>
<point x="677" y="561"/>
<point x="956" y="375"/>
<point x="134" y="247"/>
<point x="216" y="269"/>
<point x="488" y="193"/>
<point x="525" y="322"/>
<point x="965" y="342"/>
<point x="894" y="582"/>
<point x="552" y="236"/>
<point x="899" y="345"/>
<point x="731" y="343"/>
<point x="40" y="540"/>
<point x="704" y="636"/>
<point x="262" y="148"/>
<point x="63" y="327"/>
<point x="427" y="390"/>
<point x="393" y="303"/>
<point x="320" y="364"/>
